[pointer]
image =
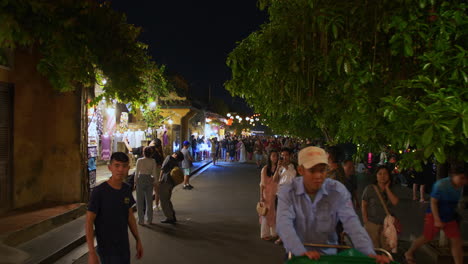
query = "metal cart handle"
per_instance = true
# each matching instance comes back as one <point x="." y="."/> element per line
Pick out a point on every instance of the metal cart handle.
<point x="385" y="252"/>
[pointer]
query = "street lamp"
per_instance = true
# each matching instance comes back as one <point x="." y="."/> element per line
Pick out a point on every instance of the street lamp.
<point x="228" y="114"/>
<point x="237" y="117"/>
<point x="247" y="118"/>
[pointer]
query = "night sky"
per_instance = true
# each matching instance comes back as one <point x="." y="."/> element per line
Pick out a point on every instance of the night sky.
<point x="193" y="38"/>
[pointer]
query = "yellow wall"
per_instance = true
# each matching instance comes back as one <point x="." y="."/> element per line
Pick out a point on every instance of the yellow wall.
<point x="175" y="114"/>
<point x="4" y="75"/>
<point x="46" y="159"/>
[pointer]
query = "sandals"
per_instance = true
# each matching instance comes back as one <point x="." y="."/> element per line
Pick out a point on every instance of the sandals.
<point x="267" y="238"/>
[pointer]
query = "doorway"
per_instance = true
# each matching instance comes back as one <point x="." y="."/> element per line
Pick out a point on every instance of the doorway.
<point x="6" y="145"/>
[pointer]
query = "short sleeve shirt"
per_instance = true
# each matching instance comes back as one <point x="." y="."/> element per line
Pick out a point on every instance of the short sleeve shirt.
<point x="111" y="207"/>
<point x="375" y="211"/>
<point x="186" y="163"/>
<point x="447" y="196"/>
<point x="168" y="164"/>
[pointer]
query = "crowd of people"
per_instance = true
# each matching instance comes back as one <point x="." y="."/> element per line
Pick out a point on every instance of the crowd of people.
<point x="309" y="196"/>
<point x="241" y="148"/>
<point x="314" y="200"/>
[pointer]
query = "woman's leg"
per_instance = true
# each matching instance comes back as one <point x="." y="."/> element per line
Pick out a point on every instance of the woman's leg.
<point x="415" y="189"/>
<point x="421" y="190"/>
<point x="140" y="203"/>
<point x="264" y="229"/>
<point x="273" y="231"/>
<point x="148" y="192"/>
<point x="373" y="231"/>
<point x="156" y="194"/>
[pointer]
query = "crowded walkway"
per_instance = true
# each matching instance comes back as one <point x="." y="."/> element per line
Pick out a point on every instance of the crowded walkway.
<point x="217" y="220"/>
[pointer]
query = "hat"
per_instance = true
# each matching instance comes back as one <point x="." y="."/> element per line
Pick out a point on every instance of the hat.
<point x="186" y="143"/>
<point x="311" y="156"/>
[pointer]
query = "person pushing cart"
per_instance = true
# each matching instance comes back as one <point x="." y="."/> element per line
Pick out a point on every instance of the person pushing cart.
<point x="310" y="207"/>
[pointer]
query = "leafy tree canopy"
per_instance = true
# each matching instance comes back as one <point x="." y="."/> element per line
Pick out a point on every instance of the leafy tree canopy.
<point x="81" y="41"/>
<point x="368" y="72"/>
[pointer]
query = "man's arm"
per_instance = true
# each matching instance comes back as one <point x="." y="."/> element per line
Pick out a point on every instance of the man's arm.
<point x="134" y="229"/>
<point x="351" y="224"/>
<point x="285" y="216"/>
<point x="92" y="256"/>
<point x="435" y="212"/>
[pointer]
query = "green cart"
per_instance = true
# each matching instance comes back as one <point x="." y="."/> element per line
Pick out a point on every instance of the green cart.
<point x="348" y="255"/>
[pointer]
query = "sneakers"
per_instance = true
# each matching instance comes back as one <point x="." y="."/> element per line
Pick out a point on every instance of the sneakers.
<point x="188" y="187"/>
<point x="169" y="221"/>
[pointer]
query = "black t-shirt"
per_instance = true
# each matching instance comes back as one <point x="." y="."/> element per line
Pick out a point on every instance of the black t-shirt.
<point x="111" y="207"/>
<point x="157" y="156"/>
<point x="168" y="164"/>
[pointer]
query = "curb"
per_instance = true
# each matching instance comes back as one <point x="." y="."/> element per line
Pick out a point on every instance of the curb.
<point x="30" y="232"/>
<point x="64" y="251"/>
<point x="200" y="168"/>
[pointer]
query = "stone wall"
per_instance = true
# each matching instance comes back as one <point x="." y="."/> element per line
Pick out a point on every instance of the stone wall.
<point x="46" y="137"/>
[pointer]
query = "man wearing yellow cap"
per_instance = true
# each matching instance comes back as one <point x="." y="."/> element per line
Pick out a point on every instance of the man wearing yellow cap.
<point x="310" y="207"/>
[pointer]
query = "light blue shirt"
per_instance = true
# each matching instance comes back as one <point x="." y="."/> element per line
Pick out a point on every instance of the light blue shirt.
<point x="299" y="220"/>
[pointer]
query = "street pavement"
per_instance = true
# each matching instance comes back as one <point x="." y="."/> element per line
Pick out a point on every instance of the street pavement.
<point x="217" y="222"/>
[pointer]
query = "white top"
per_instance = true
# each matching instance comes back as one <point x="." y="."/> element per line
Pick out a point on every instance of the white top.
<point x="287" y="175"/>
<point x="146" y="166"/>
<point x="139" y="136"/>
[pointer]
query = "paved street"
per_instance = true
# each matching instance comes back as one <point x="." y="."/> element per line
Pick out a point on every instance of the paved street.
<point x="217" y="222"/>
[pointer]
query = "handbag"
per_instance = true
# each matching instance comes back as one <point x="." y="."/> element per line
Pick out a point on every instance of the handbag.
<point x="396" y="222"/>
<point x="261" y="209"/>
<point x="177" y="175"/>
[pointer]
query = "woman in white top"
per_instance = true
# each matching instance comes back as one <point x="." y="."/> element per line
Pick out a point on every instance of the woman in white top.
<point x="145" y="176"/>
<point x="242" y="151"/>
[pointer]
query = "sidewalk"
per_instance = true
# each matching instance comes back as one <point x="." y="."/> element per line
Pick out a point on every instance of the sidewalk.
<point x="60" y="238"/>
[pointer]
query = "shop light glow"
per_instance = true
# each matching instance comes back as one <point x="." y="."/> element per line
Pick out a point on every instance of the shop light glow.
<point x="170" y="121"/>
<point x="152" y="104"/>
<point x="247" y="118"/>
<point x="228" y="114"/>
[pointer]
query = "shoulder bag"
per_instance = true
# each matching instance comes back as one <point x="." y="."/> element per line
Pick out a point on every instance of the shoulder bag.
<point x="177" y="175"/>
<point x="396" y="222"/>
<point x="262" y="210"/>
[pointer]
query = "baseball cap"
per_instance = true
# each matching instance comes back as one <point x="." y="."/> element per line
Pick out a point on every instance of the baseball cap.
<point x="186" y="143"/>
<point x="311" y="156"/>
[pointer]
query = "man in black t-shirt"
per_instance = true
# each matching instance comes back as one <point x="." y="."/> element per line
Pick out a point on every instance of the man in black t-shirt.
<point x="110" y="211"/>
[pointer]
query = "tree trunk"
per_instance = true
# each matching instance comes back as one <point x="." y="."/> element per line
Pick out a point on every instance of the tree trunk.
<point x="84" y="145"/>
